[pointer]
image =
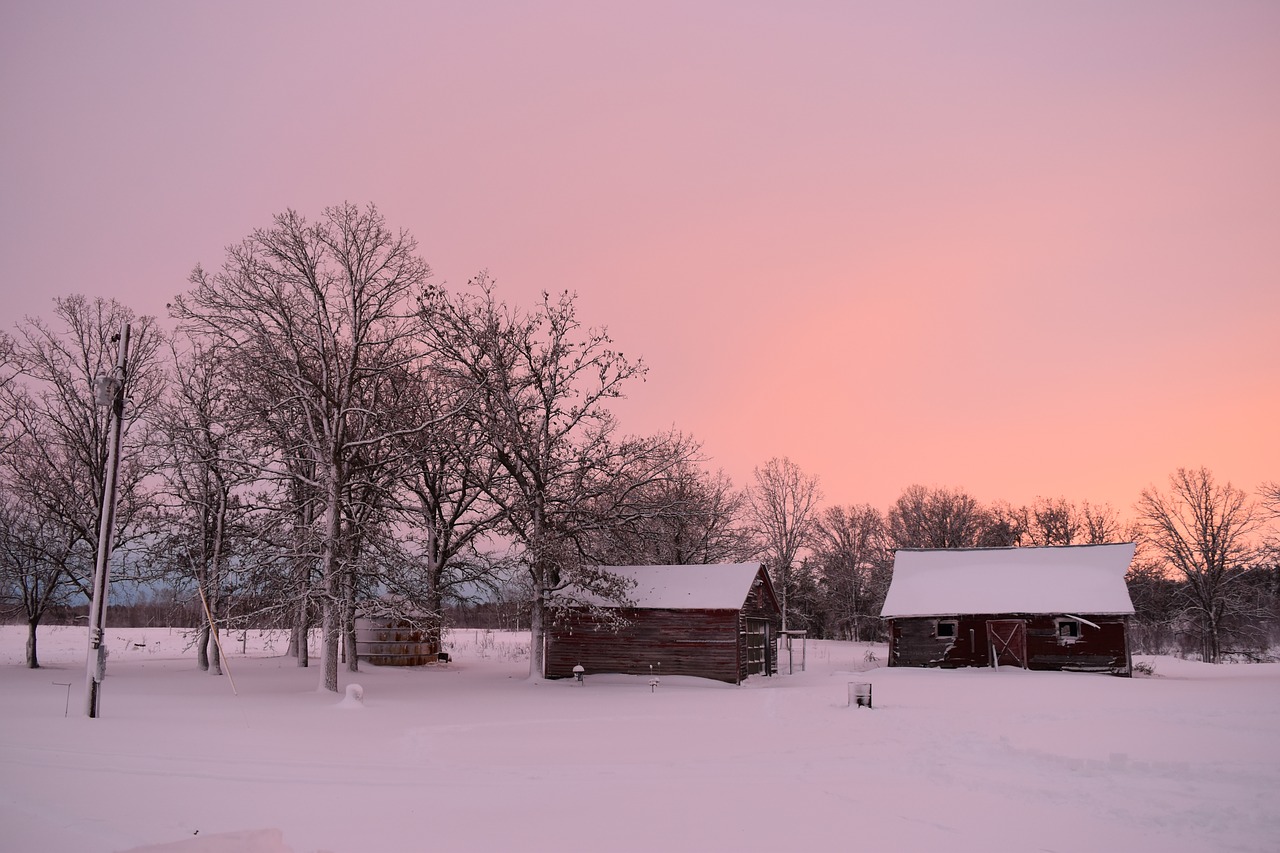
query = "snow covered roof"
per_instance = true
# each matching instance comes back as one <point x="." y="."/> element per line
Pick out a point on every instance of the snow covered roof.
<point x="722" y="586"/>
<point x="1062" y="579"/>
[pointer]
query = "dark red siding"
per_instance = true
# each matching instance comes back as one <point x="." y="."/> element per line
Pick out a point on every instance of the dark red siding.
<point x="705" y="643"/>
<point x="913" y="642"/>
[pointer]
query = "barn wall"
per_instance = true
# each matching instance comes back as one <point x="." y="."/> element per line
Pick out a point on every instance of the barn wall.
<point x="704" y="643"/>
<point x="913" y="643"/>
<point x="760" y="604"/>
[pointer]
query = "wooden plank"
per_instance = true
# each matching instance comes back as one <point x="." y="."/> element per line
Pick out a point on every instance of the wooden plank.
<point x="704" y="643"/>
<point x="701" y="642"/>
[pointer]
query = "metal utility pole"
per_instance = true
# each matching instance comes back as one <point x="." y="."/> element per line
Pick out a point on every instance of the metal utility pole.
<point x="109" y="391"/>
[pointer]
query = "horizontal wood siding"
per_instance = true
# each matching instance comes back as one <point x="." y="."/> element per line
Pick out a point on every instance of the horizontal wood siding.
<point x="914" y="643"/>
<point x="704" y="643"/>
<point x="760" y="605"/>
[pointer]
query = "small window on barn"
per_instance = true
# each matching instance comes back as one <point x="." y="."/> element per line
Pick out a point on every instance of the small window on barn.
<point x="1068" y="630"/>
<point x="946" y="629"/>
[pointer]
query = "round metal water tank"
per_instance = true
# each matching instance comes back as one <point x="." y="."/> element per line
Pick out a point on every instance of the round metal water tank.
<point x="384" y="642"/>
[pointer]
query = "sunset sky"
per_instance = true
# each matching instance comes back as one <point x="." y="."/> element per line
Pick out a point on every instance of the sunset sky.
<point x="1018" y="248"/>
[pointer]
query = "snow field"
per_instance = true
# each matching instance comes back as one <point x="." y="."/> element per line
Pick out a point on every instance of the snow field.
<point x="474" y="756"/>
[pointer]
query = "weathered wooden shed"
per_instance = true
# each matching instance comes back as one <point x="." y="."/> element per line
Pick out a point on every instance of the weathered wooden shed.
<point x="711" y="621"/>
<point x="1050" y="608"/>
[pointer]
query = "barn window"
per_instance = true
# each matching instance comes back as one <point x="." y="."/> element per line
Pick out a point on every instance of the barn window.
<point x="946" y="629"/>
<point x="1068" y="630"/>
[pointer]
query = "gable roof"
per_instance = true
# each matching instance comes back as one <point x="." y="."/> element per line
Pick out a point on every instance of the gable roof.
<point x="1058" y="579"/>
<point x="722" y="586"/>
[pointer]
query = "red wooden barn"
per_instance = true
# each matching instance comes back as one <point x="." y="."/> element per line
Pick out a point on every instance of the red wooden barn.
<point x="711" y="621"/>
<point x="1057" y="608"/>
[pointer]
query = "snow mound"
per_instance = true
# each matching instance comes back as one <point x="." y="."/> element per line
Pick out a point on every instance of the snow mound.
<point x="354" y="697"/>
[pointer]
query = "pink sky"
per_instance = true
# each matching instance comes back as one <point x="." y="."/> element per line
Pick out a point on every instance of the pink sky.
<point x="1022" y="249"/>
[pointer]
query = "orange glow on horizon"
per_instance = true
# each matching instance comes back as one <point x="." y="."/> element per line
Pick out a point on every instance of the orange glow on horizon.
<point x="1018" y="249"/>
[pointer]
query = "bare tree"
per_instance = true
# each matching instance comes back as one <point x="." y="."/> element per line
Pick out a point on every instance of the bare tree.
<point x="39" y="564"/>
<point x="442" y="495"/>
<point x="299" y="506"/>
<point x="783" y="504"/>
<point x="1202" y="529"/>
<point x="1003" y="526"/>
<point x="713" y="530"/>
<point x="1271" y="498"/>
<point x="317" y="315"/>
<point x="53" y="405"/>
<point x="1057" y="521"/>
<point x="937" y="518"/>
<point x="688" y="515"/>
<point x="1269" y="559"/>
<point x="7" y="366"/>
<point x="8" y="369"/>
<point x="1053" y="521"/>
<point x="1100" y="524"/>
<point x="207" y="471"/>
<point x="56" y="461"/>
<point x="691" y="516"/>
<point x="1156" y="597"/>
<point x="416" y="510"/>
<point x="853" y="551"/>
<point x="1270" y="495"/>
<point x="539" y="384"/>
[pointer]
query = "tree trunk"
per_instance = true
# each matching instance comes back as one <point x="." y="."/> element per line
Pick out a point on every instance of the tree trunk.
<point x="330" y="632"/>
<point x="215" y="587"/>
<point x="300" y="635"/>
<point x="330" y="570"/>
<point x="1210" y="650"/>
<point x="435" y="609"/>
<point x="215" y="653"/>
<point x="302" y="631"/>
<point x="434" y="598"/>
<point x="349" y="618"/>
<point x="33" y="662"/>
<point x="537" y="639"/>
<point x="202" y="638"/>
<point x="349" y="646"/>
<point x="202" y="646"/>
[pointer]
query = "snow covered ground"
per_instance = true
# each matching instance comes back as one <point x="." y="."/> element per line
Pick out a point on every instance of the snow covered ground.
<point x="475" y="756"/>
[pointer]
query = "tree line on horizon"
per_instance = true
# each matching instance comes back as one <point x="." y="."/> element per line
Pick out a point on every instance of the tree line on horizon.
<point x="328" y="434"/>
